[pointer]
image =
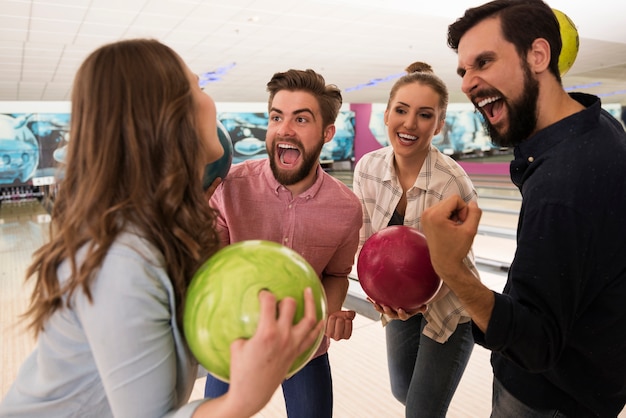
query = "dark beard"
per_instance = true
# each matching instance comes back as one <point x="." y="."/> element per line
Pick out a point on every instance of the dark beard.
<point x="522" y="115"/>
<point x="309" y="160"/>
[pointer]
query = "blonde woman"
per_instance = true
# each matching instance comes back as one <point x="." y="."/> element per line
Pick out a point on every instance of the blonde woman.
<point x="427" y="350"/>
<point x="129" y="228"/>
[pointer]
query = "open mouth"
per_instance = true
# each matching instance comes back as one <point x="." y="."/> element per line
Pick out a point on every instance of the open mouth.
<point x="491" y="107"/>
<point x="288" y="154"/>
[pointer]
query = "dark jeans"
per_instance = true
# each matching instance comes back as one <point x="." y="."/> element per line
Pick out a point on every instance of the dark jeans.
<point x="308" y="393"/>
<point x="505" y="405"/>
<point x="424" y="374"/>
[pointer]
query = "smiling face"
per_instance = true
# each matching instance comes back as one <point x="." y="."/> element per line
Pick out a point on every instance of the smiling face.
<point x="295" y="137"/>
<point x="412" y="119"/>
<point x="498" y="82"/>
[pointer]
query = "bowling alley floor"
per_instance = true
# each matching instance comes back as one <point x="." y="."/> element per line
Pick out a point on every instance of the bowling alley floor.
<point x="360" y="379"/>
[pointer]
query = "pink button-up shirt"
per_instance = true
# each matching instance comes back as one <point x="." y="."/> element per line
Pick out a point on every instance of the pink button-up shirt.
<point x="321" y="224"/>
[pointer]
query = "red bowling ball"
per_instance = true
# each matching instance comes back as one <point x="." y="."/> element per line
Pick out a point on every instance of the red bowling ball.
<point x="394" y="268"/>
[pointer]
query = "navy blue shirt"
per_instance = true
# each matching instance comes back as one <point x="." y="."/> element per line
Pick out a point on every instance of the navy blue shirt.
<point x="558" y="331"/>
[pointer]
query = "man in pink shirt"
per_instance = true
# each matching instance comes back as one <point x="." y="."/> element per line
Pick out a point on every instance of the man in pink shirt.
<point x="288" y="198"/>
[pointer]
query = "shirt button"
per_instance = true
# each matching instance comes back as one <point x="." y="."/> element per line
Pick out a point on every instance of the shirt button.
<point x="531" y="159"/>
<point x="286" y="240"/>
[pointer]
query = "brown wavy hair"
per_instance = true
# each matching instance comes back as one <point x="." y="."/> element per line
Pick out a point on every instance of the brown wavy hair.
<point x="133" y="159"/>
<point x="328" y="96"/>
<point x="521" y="22"/>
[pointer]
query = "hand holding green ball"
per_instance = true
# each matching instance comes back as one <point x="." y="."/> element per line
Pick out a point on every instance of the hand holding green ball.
<point x="222" y="303"/>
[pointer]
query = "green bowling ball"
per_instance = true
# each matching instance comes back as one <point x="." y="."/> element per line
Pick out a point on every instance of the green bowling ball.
<point x="569" y="38"/>
<point x="222" y="302"/>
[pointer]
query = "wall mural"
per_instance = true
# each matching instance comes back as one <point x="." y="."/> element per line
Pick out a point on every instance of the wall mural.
<point x="33" y="144"/>
<point x="463" y="135"/>
<point x="28" y="142"/>
<point x="247" y="131"/>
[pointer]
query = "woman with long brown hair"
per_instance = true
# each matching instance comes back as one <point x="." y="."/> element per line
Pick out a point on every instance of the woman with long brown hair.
<point x="130" y="226"/>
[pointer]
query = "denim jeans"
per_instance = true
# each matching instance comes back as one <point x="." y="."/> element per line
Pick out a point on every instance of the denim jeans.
<point x="505" y="405"/>
<point x="423" y="373"/>
<point x="308" y="393"/>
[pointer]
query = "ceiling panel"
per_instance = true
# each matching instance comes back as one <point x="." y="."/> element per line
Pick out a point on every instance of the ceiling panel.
<point x="360" y="45"/>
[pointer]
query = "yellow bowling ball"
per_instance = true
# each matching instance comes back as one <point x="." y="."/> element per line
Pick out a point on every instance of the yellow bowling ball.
<point x="569" y="38"/>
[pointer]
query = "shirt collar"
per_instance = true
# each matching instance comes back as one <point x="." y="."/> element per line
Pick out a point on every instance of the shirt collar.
<point x="422" y="180"/>
<point x="390" y="173"/>
<point x="537" y="145"/>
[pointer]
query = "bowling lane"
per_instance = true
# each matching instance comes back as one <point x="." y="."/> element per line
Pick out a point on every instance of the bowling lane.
<point x="23" y="229"/>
